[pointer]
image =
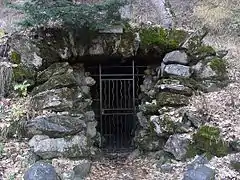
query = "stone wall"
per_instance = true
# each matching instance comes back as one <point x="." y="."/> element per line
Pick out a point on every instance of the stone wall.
<point x="65" y="125"/>
<point x="166" y="122"/>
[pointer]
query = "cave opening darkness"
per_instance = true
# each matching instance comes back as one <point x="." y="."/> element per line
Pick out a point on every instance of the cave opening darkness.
<point x="115" y="100"/>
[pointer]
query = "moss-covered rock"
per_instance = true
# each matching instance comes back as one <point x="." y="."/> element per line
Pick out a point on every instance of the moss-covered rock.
<point x="23" y="73"/>
<point x="170" y="99"/>
<point x="15" y="57"/>
<point x="200" y="52"/>
<point x="219" y="66"/>
<point x="207" y="140"/>
<point x="161" y="40"/>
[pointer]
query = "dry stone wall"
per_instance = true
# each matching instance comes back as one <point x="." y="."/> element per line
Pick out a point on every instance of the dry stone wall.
<point x="66" y="124"/>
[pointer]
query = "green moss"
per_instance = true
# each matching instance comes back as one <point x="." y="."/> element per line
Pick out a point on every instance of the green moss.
<point x="207" y="140"/>
<point x="167" y="40"/>
<point x="219" y="66"/>
<point x="208" y="50"/>
<point x="169" y="126"/>
<point x="171" y="99"/>
<point x="200" y="52"/>
<point x="15" y="57"/>
<point x="22" y="73"/>
<point x="236" y="165"/>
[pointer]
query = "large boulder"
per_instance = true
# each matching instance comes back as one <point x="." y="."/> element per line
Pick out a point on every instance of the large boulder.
<point x="55" y="125"/>
<point x="71" y="147"/>
<point x="41" y="171"/>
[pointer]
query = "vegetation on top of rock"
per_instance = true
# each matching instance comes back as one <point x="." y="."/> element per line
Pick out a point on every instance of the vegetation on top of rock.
<point x="207" y="140"/>
<point x="162" y="38"/>
<point x="69" y="14"/>
<point x="219" y="66"/>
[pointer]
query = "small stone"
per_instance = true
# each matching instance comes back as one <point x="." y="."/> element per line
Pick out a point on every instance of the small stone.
<point x="178" y="57"/>
<point x="221" y="53"/>
<point x="134" y="154"/>
<point x="177" y="70"/>
<point x="89" y="81"/>
<point x="166" y="167"/>
<point x="82" y="170"/>
<point x="41" y="171"/>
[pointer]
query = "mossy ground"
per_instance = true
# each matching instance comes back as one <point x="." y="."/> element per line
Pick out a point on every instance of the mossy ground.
<point x="207" y="140"/>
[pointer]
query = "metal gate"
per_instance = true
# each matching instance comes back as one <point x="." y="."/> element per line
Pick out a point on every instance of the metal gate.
<point x="115" y="105"/>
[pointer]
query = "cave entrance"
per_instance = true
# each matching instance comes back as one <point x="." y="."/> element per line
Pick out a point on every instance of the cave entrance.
<point x="115" y="102"/>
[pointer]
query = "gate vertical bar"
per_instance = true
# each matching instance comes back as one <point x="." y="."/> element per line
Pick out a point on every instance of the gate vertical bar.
<point x="100" y="82"/>
<point x="133" y="89"/>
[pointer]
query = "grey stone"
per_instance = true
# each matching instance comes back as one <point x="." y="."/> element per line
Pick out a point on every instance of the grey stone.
<point x="142" y="120"/>
<point x="89" y="81"/>
<point x="148" y="143"/>
<point x="41" y="171"/>
<point x="173" y="86"/>
<point x="71" y="147"/>
<point x="198" y="162"/>
<point x="176" y="57"/>
<point x="203" y="71"/>
<point x="82" y="170"/>
<point x="91" y="129"/>
<point x="235" y="145"/>
<point x="177" y="70"/>
<point x="194" y="118"/>
<point x="157" y="126"/>
<point x="200" y="173"/>
<point x="198" y="170"/>
<point x="28" y="50"/>
<point x="166" y="167"/>
<point x="55" y="125"/>
<point x="135" y="154"/>
<point x="96" y="47"/>
<point x="55" y="99"/>
<point x="177" y="144"/>
<point x="32" y="158"/>
<point x="90" y="116"/>
<point x="221" y="53"/>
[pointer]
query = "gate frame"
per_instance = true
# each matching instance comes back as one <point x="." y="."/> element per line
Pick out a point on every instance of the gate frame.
<point x="130" y="76"/>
